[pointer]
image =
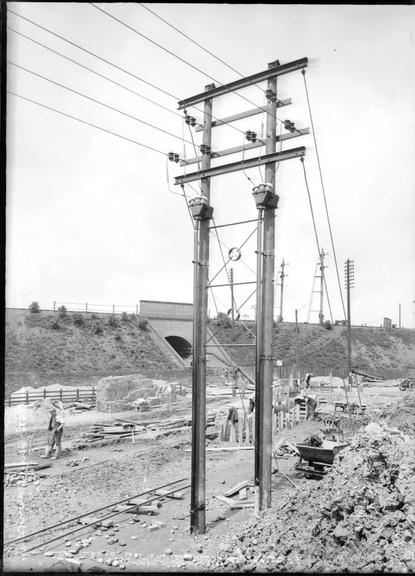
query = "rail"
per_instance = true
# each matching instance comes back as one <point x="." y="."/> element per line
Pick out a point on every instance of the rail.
<point x="151" y="498"/>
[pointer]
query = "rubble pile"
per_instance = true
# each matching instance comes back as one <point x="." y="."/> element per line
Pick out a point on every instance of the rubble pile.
<point x="401" y="414"/>
<point x="20" y="479"/>
<point x="359" y="518"/>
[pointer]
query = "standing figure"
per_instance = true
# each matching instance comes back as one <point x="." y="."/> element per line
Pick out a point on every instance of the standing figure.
<point x="55" y="429"/>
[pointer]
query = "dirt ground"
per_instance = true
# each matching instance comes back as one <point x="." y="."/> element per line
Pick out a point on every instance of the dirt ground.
<point x="112" y="473"/>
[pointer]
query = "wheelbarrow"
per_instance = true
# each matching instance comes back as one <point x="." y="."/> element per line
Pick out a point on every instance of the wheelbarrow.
<point x="315" y="461"/>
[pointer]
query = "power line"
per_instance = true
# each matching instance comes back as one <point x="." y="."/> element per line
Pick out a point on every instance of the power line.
<point x="324" y="193"/>
<point x="153" y="41"/>
<point x="178" y="57"/>
<point x="135" y="75"/>
<point x="95" y="72"/>
<point x="196" y="43"/>
<point x="87" y="123"/>
<point x="95" y="101"/>
<point x="116" y="66"/>
<point x="95" y="55"/>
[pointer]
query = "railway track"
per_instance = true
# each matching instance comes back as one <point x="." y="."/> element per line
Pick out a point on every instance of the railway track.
<point x="48" y="534"/>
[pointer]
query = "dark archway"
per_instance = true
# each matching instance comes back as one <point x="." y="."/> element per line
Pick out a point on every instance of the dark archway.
<point x="180" y="345"/>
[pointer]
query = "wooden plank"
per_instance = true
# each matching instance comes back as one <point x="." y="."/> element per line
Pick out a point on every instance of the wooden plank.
<point x="235" y="489"/>
<point x="227" y="448"/>
<point x="242" y="115"/>
<point x="19" y="464"/>
<point x="224" y="499"/>
<point x="272" y="72"/>
<point x="247" y="146"/>
<point x="237" y="505"/>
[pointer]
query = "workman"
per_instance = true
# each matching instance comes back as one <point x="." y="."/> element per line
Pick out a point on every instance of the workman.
<point x="251" y="407"/>
<point x="307" y="380"/>
<point x="55" y="429"/>
<point x="311" y="406"/>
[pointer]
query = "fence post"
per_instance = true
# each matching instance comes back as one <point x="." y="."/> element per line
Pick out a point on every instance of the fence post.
<point x="60" y="394"/>
<point x="77" y="393"/>
<point x="86" y="307"/>
<point x="10" y="400"/>
<point x="44" y="393"/>
<point x="27" y="397"/>
<point x="93" y="394"/>
<point x="54" y="305"/>
<point x="136" y="309"/>
<point x="113" y="308"/>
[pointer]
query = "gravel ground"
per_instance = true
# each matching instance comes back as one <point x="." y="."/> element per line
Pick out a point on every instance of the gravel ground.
<point x="359" y="517"/>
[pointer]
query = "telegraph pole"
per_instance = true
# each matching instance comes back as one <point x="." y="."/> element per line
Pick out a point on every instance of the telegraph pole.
<point x="282" y="276"/>
<point x="263" y="388"/>
<point x="349" y="279"/>
<point x="202" y="219"/>
<point x="266" y="202"/>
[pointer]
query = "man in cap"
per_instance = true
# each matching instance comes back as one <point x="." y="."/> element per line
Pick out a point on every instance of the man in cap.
<point x="55" y="431"/>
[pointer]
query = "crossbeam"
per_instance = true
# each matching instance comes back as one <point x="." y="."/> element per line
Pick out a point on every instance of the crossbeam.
<point x="241" y="165"/>
<point x="248" y="146"/>
<point x="245" y="114"/>
<point x="243" y="82"/>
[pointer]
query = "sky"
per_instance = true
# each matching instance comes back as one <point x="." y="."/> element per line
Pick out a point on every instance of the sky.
<point x="94" y="218"/>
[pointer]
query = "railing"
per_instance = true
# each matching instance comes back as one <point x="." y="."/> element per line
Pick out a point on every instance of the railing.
<point x="87" y="395"/>
<point x="100" y="308"/>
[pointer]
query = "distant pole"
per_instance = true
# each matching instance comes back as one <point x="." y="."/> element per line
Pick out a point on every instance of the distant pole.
<point x="136" y="309"/>
<point x="54" y="307"/>
<point x="232" y="297"/>
<point x="296" y="342"/>
<point x="86" y="307"/>
<point x="349" y="279"/>
<point x="322" y="267"/>
<point x="400" y="316"/>
<point x="282" y="276"/>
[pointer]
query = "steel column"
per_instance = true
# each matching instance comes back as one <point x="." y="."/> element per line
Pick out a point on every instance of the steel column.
<point x="200" y="310"/>
<point x="258" y="340"/>
<point x="263" y="404"/>
<point x="349" y="324"/>
<point x="321" y="313"/>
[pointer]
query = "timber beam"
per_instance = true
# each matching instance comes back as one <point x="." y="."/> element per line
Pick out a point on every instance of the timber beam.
<point x="241" y="165"/>
<point x="243" y="82"/>
<point x="242" y="115"/>
<point x="248" y="146"/>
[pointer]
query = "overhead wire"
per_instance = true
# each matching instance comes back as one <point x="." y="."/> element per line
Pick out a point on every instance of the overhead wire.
<point x="178" y="57"/>
<point x="94" y="72"/>
<point x="324" y="193"/>
<point x="94" y="100"/>
<point x="94" y="54"/>
<point x="211" y="54"/>
<point x="152" y="41"/>
<point x="139" y="78"/>
<point x="195" y="43"/>
<point x="87" y="123"/>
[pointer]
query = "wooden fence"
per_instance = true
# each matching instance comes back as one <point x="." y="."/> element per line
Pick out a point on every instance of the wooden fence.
<point x="242" y="432"/>
<point x="87" y="395"/>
